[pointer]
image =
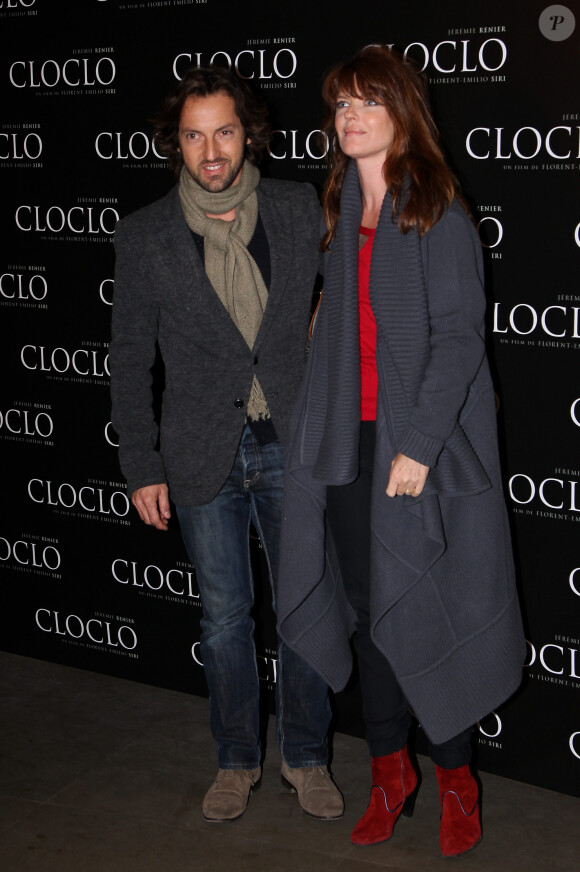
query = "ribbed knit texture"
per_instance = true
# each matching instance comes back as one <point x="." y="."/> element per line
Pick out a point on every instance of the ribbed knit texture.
<point x="443" y="603"/>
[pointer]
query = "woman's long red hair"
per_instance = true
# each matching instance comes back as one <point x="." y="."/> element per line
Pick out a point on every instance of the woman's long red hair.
<point x="420" y="182"/>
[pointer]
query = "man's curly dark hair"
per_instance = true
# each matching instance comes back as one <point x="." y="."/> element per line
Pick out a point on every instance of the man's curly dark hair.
<point x="202" y="82"/>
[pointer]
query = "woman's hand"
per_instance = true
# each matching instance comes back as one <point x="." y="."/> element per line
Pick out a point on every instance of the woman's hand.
<point x="407" y="477"/>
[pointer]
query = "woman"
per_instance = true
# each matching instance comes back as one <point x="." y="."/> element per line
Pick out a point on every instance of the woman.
<point x="394" y="448"/>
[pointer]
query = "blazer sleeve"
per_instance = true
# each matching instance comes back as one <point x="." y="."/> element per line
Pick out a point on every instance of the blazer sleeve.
<point x="456" y="302"/>
<point x="133" y="353"/>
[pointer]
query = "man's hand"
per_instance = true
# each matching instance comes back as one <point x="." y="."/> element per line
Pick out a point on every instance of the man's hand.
<point x="407" y="477"/>
<point x="152" y="503"/>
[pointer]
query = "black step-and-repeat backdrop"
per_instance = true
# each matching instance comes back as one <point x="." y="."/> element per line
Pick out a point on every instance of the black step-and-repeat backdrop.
<point x="83" y="582"/>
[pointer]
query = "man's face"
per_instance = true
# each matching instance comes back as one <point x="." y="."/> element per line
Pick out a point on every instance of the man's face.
<point x="212" y="141"/>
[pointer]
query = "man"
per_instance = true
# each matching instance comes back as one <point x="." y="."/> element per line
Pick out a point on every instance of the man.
<point x="218" y="275"/>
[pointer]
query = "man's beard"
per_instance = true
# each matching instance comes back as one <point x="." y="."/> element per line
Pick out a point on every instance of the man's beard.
<point x="217" y="185"/>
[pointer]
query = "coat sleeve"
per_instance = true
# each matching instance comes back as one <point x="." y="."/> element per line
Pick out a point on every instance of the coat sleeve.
<point x="456" y="303"/>
<point x="133" y="352"/>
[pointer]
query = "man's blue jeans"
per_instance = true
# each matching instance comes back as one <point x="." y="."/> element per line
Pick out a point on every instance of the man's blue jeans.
<point x="216" y="536"/>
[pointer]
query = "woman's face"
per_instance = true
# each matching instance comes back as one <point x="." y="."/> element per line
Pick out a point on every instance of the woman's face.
<point x="364" y="128"/>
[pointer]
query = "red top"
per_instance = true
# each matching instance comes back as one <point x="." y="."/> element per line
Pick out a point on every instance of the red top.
<point x="367" y="332"/>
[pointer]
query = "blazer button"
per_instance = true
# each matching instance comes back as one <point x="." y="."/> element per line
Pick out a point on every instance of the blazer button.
<point x="256" y="360"/>
<point x="238" y="403"/>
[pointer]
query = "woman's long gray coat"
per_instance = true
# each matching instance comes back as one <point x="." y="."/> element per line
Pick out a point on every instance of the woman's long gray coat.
<point x="444" y="608"/>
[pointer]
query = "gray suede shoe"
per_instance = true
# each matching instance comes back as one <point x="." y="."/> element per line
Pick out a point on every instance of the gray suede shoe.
<point x="318" y="795"/>
<point x="228" y="797"/>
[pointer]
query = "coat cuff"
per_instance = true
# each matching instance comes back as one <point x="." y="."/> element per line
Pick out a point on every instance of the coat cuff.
<point x="423" y="449"/>
<point x="154" y="474"/>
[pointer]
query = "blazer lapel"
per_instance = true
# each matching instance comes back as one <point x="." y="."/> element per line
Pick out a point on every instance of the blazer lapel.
<point x="188" y="280"/>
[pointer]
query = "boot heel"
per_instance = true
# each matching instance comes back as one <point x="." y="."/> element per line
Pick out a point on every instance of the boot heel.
<point x="409" y="804"/>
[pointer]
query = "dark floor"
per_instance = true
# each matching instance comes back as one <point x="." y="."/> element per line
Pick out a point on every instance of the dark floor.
<point x="104" y="774"/>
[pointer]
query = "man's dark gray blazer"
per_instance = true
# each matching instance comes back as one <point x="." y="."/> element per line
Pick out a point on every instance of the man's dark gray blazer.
<point x="164" y="300"/>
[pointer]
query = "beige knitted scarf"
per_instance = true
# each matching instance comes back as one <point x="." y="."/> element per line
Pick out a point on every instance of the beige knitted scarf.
<point x="231" y="269"/>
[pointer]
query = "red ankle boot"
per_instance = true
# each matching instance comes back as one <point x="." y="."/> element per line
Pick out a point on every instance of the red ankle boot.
<point x="460" y="825"/>
<point x="392" y="794"/>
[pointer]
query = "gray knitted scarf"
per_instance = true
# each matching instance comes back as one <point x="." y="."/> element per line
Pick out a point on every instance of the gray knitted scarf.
<point x="232" y="271"/>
